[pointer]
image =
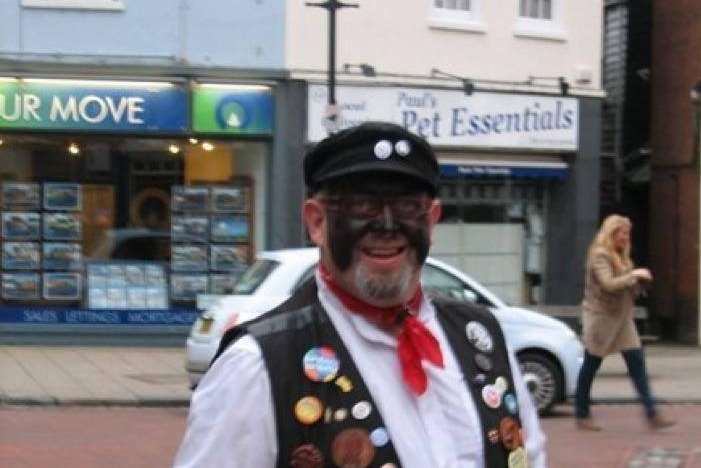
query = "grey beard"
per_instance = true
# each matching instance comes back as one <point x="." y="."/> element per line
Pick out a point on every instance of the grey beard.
<point x="382" y="287"/>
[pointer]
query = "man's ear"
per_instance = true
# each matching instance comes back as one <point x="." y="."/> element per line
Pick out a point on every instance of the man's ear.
<point x="435" y="212"/>
<point x="315" y="220"/>
<point x="434" y="215"/>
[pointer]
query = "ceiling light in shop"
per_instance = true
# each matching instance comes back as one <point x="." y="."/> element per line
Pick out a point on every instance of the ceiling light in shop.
<point x="74" y="149"/>
<point x="193" y="141"/>
<point x="207" y="146"/>
<point x="175" y="149"/>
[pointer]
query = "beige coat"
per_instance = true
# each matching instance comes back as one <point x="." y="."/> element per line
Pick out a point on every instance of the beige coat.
<point x="607" y="309"/>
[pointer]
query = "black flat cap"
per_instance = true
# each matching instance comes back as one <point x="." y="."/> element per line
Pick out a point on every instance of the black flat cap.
<point x="371" y="147"/>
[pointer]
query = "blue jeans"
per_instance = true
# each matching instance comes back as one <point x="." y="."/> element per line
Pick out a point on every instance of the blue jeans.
<point x="635" y="362"/>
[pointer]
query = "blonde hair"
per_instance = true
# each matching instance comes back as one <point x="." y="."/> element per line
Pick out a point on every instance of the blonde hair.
<point x="604" y="241"/>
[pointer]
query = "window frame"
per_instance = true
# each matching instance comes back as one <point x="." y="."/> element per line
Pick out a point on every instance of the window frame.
<point x="461" y="20"/>
<point x="100" y="5"/>
<point x="541" y="28"/>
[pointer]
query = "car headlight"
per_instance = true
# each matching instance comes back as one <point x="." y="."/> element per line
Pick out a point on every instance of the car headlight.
<point x="203" y="324"/>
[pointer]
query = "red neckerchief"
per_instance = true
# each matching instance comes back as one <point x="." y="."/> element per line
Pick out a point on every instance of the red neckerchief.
<point x="414" y="342"/>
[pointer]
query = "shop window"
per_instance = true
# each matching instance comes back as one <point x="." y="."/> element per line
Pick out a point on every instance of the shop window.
<point x="125" y="223"/>
<point x="496" y="229"/>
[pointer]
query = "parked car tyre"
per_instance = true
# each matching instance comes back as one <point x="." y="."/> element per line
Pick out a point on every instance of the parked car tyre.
<point x="543" y="378"/>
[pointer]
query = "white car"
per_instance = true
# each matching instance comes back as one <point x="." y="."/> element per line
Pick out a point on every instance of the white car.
<point x="549" y="352"/>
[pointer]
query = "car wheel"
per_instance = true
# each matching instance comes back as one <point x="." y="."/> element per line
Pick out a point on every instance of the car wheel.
<point x="542" y="378"/>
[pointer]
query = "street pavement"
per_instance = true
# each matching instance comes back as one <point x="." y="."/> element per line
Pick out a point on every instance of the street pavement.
<point x="76" y="378"/>
<point x="146" y="376"/>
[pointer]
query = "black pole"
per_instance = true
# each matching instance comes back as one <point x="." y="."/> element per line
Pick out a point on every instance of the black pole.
<point x="331" y="6"/>
<point x="332" y="52"/>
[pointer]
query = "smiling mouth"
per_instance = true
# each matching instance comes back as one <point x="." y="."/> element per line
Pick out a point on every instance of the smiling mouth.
<point x="382" y="252"/>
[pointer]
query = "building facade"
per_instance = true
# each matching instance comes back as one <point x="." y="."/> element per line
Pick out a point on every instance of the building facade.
<point x="137" y="149"/>
<point x="150" y="148"/>
<point x="674" y="200"/>
<point x="509" y="95"/>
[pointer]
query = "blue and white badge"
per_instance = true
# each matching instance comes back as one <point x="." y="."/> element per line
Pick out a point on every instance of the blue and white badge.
<point x="510" y="403"/>
<point x="321" y="364"/>
<point x="379" y="437"/>
<point x="479" y="337"/>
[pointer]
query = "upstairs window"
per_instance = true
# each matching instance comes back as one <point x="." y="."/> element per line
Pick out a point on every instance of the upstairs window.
<point x="540" y="19"/>
<point x="456" y="14"/>
<point x="536" y="9"/>
<point x="460" y="5"/>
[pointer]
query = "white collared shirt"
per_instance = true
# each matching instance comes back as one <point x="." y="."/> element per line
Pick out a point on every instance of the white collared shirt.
<point x="232" y="423"/>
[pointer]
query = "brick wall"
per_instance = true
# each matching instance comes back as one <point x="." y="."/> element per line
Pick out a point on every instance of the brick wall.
<point x="674" y="202"/>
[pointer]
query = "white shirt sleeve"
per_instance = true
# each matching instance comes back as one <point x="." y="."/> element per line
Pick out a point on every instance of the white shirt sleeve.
<point x="231" y="421"/>
<point x="534" y="438"/>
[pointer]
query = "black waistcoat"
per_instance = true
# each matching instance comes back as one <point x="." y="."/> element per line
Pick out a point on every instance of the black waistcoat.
<point x="287" y="332"/>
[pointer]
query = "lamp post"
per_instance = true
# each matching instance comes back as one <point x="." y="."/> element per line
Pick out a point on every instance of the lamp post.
<point x="331" y="118"/>
<point x="695" y="95"/>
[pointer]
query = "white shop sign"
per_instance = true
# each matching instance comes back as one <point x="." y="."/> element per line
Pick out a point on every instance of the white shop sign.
<point x="451" y="118"/>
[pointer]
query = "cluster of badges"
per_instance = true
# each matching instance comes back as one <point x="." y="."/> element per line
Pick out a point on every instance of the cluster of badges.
<point x="383" y="148"/>
<point x="354" y="446"/>
<point x="495" y="394"/>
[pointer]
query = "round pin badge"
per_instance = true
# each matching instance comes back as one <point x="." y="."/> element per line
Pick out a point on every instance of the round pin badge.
<point x="479" y="337"/>
<point x="510" y="433"/>
<point x="361" y="410"/>
<point x="352" y="447"/>
<point x="480" y="378"/>
<point x="340" y="414"/>
<point x="510" y="403"/>
<point x="518" y="458"/>
<point x="321" y="364"/>
<point x="307" y="456"/>
<point x="379" y="437"/>
<point x="491" y="396"/>
<point x="483" y="362"/>
<point x="383" y="149"/>
<point x="402" y="148"/>
<point x="502" y="384"/>
<point x="309" y="410"/>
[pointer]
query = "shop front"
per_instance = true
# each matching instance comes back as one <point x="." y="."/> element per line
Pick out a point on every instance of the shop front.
<point x="504" y="158"/>
<point x="122" y="201"/>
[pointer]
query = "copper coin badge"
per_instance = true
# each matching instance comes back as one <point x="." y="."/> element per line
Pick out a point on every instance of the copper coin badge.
<point x="352" y="448"/>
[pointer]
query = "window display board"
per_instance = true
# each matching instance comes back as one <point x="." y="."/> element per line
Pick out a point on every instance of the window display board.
<point x="126" y="285"/>
<point x="41" y="248"/>
<point x="211" y="232"/>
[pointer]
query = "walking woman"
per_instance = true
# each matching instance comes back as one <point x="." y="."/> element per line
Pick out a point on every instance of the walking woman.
<point x="611" y="284"/>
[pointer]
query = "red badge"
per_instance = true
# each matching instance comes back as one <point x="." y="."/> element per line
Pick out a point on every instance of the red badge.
<point x="510" y="433"/>
<point x="307" y="456"/>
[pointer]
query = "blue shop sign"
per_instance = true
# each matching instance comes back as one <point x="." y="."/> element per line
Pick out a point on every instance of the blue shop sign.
<point x="92" y="105"/>
<point x="76" y="316"/>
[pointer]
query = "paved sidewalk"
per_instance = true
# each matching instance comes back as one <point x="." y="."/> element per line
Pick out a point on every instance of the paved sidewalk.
<point x="132" y="376"/>
<point x="145" y="376"/>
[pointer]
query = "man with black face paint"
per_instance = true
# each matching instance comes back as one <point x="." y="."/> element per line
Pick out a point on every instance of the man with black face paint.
<point x="359" y="368"/>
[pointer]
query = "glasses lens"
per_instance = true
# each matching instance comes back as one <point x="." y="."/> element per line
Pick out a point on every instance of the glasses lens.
<point x="368" y="206"/>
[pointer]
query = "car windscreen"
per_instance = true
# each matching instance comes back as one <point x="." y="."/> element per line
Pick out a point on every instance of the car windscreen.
<point x="254" y="276"/>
